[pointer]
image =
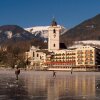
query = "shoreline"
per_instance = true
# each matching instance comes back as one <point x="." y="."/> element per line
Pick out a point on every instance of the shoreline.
<point x="23" y="69"/>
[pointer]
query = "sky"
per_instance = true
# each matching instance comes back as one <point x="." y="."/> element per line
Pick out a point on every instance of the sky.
<point x="29" y="13"/>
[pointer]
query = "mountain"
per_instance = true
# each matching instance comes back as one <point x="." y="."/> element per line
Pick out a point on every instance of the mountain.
<point x="87" y="30"/>
<point x="14" y="33"/>
<point x="41" y="32"/>
<point x="37" y="36"/>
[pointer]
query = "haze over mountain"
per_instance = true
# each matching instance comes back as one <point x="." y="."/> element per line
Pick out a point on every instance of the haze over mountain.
<point x="87" y="30"/>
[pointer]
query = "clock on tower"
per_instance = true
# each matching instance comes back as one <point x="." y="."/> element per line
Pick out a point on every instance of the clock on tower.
<point x="53" y="36"/>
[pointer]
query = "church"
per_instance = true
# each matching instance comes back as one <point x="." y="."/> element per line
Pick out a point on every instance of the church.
<point x="57" y="57"/>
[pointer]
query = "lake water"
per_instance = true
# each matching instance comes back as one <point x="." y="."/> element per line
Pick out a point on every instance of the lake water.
<point x="41" y="85"/>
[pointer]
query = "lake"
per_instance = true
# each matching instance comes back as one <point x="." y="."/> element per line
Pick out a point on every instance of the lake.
<point x="41" y="85"/>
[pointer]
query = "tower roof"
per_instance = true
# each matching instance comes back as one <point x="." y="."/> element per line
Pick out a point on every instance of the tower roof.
<point x="53" y="23"/>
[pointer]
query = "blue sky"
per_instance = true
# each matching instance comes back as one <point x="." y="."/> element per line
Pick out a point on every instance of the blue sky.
<point x="28" y="13"/>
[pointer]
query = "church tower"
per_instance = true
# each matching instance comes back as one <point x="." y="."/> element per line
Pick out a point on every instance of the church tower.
<point x="53" y="36"/>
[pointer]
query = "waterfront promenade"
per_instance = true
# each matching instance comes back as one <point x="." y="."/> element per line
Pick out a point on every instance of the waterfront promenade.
<point x="41" y="85"/>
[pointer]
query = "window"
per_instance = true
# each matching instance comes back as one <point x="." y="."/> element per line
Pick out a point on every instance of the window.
<point x="54" y="45"/>
<point x="33" y="54"/>
<point x="91" y="62"/>
<point x="79" y="62"/>
<point x="54" y="31"/>
<point x="40" y="57"/>
<point x="86" y="62"/>
<point x="37" y="55"/>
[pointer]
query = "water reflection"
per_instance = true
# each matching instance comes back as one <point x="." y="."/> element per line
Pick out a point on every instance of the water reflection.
<point x="72" y="86"/>
<point x="42" y="86"/>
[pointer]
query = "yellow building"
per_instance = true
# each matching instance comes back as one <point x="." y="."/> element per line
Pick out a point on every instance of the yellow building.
<point x="82" y="58"/>
<point x="87" y="58"/>
<point x="62" y="60"/>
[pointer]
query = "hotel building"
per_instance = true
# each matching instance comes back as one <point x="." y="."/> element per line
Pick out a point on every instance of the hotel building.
<point x="82" y="58"/>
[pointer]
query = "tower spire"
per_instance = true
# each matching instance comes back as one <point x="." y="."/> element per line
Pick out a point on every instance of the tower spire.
<point x="53" y="23"/>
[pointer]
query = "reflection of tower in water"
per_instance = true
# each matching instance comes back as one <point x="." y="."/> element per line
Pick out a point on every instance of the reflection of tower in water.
<point x="36" y="84"/>
<point x="52" y="88"/>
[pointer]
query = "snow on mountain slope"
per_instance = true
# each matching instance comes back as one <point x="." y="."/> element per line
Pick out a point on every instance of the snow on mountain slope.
<point x="94" y="42"/>
<point x="42" y="31"/>
<point x="9" y="34"/>
<point x="77" y="44"/>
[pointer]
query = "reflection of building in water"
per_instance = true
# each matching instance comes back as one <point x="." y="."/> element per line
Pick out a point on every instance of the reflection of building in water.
<point x="72" y="86"/>
<point x="97" y="88"/>
<point x="84" y="85"/>
<point x="36" y="85"/>
<point x="78" y="85"/>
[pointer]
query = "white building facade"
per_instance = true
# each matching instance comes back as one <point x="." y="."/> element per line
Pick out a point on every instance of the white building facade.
<point x="82" y="58"/>
<point x="53" y="36"/>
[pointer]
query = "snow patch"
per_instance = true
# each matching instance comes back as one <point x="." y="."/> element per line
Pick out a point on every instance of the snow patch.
<point x="87" y="42"/>
<point x="9" y="34"/>
<point x="94" y="42"/>
<point x="42" y="31"/>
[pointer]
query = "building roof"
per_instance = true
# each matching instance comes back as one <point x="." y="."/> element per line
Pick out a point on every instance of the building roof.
<point x="53" y="23"/>
<point x="63" y="46"/>
<point x="44" y="51"/>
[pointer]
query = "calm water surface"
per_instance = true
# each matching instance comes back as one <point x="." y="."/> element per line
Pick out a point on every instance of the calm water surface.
<point x="40" y="85"/>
